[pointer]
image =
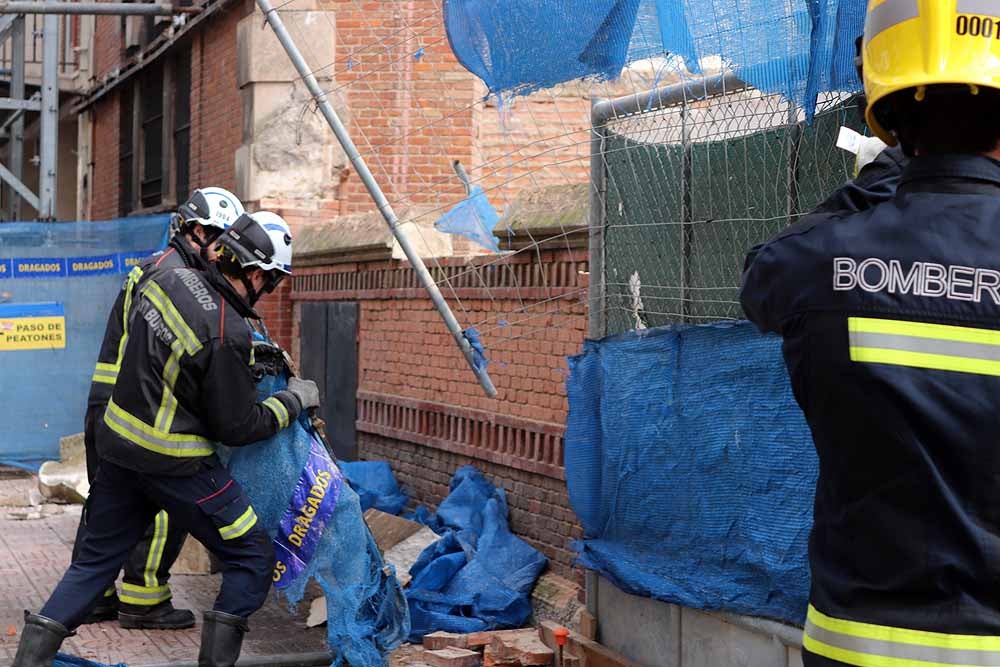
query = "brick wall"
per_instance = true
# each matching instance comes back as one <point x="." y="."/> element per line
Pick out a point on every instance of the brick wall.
<point x="216" y="109"/>
<point x="532" y="142"/>
<point x="419" y="406"/>
<point x="106" y="187"/>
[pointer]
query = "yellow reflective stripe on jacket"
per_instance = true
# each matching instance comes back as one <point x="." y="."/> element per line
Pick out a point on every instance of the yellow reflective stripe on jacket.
<point x="161" y="526"/>
<point x="922" y="345"/>
<point x="172" y="317"/>
<point x="133" y="279"/>
<point x="134" y="430"/>
<point x="279" y="410"/>
<point x="168" y="402"/>
<point x="144" y="595"/>
<point x="870" y="645"/>
<point x="239" y="527"/>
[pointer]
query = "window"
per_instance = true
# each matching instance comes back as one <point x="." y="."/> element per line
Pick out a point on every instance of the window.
<point x="155" y="128"/>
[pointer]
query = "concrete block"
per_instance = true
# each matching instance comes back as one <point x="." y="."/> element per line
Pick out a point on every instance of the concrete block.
<point x="261" y="58"/>
<point x="708" y="641"/>
<point x="643" y="630"/>
<point x="452" y="657"/>
<point x="72" y="448"/>
<point x="794" y="657"/>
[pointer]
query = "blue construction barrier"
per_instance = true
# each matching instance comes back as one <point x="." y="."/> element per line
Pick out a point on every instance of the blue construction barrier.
<point x="58" y="281"/>
<point x="692" y="469"/>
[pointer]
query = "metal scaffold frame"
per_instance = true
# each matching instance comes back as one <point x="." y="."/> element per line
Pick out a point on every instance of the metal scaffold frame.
<point x="46" y="101"/>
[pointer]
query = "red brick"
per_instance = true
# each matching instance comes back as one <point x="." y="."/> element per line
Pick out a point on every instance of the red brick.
<point x="452" y="657"/>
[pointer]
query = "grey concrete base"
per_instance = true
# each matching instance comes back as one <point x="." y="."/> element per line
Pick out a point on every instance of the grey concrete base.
<point x="656" y="634"/>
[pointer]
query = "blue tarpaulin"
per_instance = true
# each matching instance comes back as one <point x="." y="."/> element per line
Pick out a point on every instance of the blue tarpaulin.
<point x="692" y="469"/>
<point x="479" y="575"/>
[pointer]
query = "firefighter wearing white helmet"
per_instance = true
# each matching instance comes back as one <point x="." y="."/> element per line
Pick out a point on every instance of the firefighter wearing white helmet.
<point x="189" y="350"/>
<point x="145" y="599"/>
<point x="205" y="215"/>
<point x="261" y="241"/>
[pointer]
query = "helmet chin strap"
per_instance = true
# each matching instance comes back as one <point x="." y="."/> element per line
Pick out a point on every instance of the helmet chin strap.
<point x="252" y="294"/>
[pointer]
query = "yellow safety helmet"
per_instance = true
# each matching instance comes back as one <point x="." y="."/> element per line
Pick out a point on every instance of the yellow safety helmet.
<point x="917" y="43"/>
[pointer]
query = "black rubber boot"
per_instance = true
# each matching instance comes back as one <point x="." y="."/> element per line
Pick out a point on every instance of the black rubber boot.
<point x="221" y="639"/>
<point x="160" y="617"/>
<point x="40" y="641"/>
<point x="106" y="610"/>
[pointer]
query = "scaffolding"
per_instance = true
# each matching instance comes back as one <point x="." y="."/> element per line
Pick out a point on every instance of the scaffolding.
<point x="44" y="102"/>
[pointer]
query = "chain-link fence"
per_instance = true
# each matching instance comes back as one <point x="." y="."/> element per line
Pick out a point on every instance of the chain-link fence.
<point x="688" y="183"/>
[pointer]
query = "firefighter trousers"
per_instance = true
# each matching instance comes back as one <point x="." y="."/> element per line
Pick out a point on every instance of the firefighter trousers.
<point x="209" y="505"/>
<point x="147" y="568"/>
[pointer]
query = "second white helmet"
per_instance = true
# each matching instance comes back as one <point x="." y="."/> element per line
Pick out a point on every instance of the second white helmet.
<point x="211" y="207"/>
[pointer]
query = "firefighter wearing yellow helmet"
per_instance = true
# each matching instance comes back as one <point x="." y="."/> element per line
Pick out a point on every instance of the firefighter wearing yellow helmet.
<point x="890" y="315"/>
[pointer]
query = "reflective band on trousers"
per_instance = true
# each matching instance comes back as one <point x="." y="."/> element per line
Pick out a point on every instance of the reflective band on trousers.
<point x="239" y="527"/>
<point x="144" y="595"/>
<point x="980" y="7"/>
<point x="161" y="527"/>
<point x="889" y="14"/>
<point x="137" y="432"/>
<point x="922" y="345"/>
<point x="869" y="645"/>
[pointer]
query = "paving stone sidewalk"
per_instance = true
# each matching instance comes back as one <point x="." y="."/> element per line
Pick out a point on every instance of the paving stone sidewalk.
<point x="34" y="553"/>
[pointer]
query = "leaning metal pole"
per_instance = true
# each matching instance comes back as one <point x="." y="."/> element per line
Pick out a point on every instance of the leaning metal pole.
<point x="376" y="192"/>
<point x="103" y="8"/>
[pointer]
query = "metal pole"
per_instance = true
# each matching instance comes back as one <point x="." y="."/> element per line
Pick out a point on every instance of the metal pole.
<point x="286" y="660"/>
<point x="375" y="191"/>
<point x="668" y="96"/>
<point x="139" y="9"/>
<point x="596" y="295"/>
<point x="16" y="143"/>
<point x="49" y="131"/>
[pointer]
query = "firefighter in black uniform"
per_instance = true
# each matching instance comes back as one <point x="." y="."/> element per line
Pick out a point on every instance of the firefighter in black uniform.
<point x="184" y="384"/>
<point x="146" y="597"/>
<point x="891" y="324"/>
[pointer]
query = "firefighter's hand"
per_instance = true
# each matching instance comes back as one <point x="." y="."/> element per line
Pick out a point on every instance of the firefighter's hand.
<point x="306" y="391"/>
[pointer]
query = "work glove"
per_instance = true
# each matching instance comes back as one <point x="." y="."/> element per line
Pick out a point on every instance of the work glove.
<point x="305" y="391"/>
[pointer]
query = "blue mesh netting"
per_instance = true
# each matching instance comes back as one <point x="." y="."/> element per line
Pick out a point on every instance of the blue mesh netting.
<point x="44" y="392"/>
<point x="692" y="469"/>
<point x="797" y="48"/>
<point x="367" y="615"/>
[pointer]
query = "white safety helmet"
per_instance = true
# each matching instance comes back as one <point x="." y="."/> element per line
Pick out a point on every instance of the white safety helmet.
<point x="211" y="207"/>
<point x="281" y="238"/>
<point x="262" y="240"/>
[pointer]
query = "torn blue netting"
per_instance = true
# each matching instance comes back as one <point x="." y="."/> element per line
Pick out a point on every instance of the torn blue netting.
<point x="478" y="350"/>
<point x="375" y="485"/>
<point x="367" y="615"/>
<point x="474" y="218"/>
<point x="479" y="575"/>
<point x="519" y="46"/>
<point x="798" y="48"/>
<point x="692" y="470"/>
